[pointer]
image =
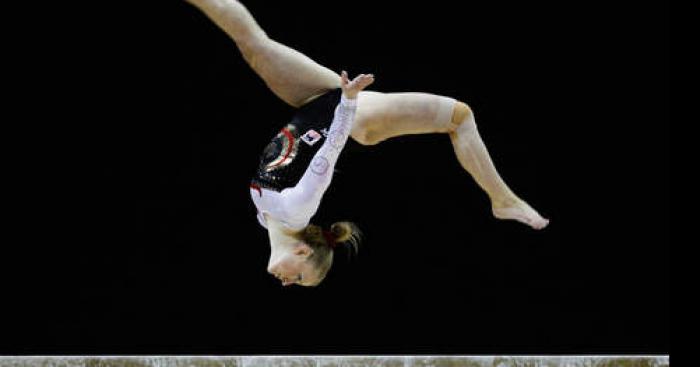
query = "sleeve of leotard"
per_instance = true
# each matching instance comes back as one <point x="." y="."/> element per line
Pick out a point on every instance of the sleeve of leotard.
<point x="303" y="200"/>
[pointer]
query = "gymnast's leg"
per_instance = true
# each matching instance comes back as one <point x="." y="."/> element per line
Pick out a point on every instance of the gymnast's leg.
<point x="291" y="75"/>
<point x="384" y="115"/>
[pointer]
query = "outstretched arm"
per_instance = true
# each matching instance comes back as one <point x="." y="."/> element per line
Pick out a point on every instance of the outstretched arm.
<point x="302" y="201"/>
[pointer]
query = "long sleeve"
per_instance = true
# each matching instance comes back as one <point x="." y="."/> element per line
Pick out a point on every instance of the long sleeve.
<point x="302" y="201"/>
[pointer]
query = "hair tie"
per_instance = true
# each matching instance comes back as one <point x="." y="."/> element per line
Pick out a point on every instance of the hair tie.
<point x="330" y="239"/>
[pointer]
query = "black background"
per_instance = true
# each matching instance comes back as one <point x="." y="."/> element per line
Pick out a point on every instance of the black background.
<point x="134" y="231"/>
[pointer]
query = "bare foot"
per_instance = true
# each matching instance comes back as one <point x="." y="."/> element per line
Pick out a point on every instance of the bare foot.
<point x="517" y="209"/>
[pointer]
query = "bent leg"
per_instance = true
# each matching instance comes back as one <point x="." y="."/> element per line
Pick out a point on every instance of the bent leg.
<point x="474" y="157"/>
<point x="384" y="115"/>
<point x="291" y="75"/>
<point x="381" y="116"/>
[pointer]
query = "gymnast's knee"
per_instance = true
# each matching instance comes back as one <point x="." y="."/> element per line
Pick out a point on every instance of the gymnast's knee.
<point x="461" y="114"/>
<point x="366" y="136"/>
<point x="251" y="44"/>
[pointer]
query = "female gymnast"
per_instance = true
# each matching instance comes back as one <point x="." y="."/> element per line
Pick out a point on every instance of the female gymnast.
<point x="297" y="166"/>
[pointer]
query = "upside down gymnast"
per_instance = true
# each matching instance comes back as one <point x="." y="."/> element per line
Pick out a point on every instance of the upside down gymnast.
<point x="297" y="166"/>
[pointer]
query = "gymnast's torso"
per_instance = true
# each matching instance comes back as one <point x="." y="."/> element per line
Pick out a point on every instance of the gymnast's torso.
<point x="296" y="167"/>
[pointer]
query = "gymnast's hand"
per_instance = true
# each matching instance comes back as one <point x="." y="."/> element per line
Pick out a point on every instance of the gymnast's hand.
<point x="352" y="88"/>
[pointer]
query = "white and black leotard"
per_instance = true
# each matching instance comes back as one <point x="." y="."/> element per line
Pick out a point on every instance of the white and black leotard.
<point x="297" y="166"/>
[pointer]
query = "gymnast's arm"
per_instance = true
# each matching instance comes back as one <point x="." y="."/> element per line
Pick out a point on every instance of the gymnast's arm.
<point x="303" y="200"/>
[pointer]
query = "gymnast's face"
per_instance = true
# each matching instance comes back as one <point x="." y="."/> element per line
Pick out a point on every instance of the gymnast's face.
<point x="293" y="268"/>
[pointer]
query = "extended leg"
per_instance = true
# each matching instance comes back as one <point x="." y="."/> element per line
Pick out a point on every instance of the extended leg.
<point x="473" y="156"/>
<point x="291" y="75"/>
<point x="384" y="115"/>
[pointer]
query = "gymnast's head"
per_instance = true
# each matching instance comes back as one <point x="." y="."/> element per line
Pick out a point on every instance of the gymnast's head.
<point x="304" y="257"/>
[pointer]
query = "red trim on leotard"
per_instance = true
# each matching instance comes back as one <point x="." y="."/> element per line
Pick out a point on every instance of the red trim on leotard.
<point x="256" y="187"/>
<point x="290" y="137"/>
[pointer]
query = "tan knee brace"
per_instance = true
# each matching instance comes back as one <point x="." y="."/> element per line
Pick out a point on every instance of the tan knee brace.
<point x="459" y="114"/>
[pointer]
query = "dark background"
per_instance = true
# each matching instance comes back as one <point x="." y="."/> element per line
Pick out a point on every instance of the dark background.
<point x="133" y="230"/>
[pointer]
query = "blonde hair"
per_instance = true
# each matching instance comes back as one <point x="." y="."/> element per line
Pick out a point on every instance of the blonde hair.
<point x="342" y="233"/>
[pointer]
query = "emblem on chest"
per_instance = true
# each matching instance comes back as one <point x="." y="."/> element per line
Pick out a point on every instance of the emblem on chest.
<point x="284" y="146"/>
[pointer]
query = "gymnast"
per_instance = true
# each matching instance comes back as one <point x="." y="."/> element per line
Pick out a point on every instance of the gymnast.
<point x="297" y="166"/>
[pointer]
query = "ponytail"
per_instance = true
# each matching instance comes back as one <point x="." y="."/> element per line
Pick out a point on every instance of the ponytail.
<point x="325" y="241"/>
<point x="339" y="233"/>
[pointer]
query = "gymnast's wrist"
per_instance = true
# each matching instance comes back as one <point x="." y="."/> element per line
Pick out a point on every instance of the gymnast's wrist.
<point x="348" y="101"/>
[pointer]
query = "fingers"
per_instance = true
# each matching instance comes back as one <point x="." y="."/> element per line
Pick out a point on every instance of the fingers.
<point x="362" y="81"/>
<point x="366" y="80"/>
<point x="352" y="87"/>
<point x="358" y="79"/>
